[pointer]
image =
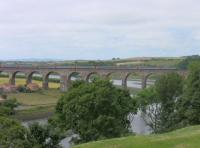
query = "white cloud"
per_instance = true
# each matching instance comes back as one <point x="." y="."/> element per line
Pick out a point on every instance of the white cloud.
<point x="99" y="28"/>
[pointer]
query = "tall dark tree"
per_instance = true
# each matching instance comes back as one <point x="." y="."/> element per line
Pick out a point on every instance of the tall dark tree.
<point x="96" y="110"/>
<point x="189" y="104"/>
<point x="159" y="102"/>
<point x="169" y="88"/>
<point x="150" y="105"/>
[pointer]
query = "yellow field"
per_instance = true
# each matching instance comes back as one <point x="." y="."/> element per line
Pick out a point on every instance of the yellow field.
<point x="45" y="97"/>
<point x="19" y="81"/>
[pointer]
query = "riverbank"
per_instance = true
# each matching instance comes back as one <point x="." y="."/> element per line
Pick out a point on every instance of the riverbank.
<point x="35" y="113"/>
<point x="37" y="105"/>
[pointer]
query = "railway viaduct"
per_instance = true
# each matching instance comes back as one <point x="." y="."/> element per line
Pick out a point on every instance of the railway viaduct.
<point x="66" y="73"/>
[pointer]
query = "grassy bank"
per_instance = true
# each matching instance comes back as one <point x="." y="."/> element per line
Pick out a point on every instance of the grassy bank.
<point x="45" y="97"/>
<point x="36" y="105"/>
<point x="37" y="112"/>
<point x="183" y="138"/>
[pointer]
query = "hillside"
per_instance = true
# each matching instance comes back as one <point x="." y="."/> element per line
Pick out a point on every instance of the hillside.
<point x="142" y="61"/>
<point x="183" y="138"/>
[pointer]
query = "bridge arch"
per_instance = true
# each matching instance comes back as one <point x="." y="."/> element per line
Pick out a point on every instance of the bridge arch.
<point x="115" y="78"/>
<point x="75" y="76"/>
<point x="150" y="78"/>
<point x="54" y="77"/>
<point x="133" y="80"/>
<point x="36" y="76"/>
<point x="91" y="76"/>
<point x="22" y="78"/>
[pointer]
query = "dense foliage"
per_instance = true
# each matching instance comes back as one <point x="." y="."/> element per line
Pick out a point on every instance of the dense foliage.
<point x="184" y="64"/>
<point x="159" y="102"/>
<point x="7" y="107"/>
<point x="169" y="89"/>
<point x="44" y="136"/>
<point x="96" y="110"/>
<point x="14" y="135"/>
<point x="189" y="104"/>
<point x="149" y="103"/>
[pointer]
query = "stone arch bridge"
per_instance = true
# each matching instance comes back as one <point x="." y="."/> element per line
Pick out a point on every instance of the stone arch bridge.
<point x="85" y="73"/>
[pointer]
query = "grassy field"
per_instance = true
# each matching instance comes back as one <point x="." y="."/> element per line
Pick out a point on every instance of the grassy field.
<point x="37" y="112"/>
<point x="183" y="138"/>
<point x="35" y="105"/>
<point x="156" y="62"/>
<point x="21" y="81"/>
<point x="45" y="97"/>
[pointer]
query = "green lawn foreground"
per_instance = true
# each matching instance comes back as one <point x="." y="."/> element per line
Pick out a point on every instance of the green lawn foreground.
<point x="183" y="138"/>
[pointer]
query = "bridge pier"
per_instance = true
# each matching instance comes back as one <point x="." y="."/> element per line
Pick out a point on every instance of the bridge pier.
<point x="124" y="82"/>
<point x="144" y="82"/>
<point x="45" y="84"/>
<point x="11" y="79"/>
<point x="64" y="83"/>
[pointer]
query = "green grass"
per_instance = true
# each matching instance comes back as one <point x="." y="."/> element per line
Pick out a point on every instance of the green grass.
<point x="156" y="62"/>
<point x="184" y="138"/>
<point x="45" y="97"/>
<point x="37" y="112"/>
<point x="35" y="105"/>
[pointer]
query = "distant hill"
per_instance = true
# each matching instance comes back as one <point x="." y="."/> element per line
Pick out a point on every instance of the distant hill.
<point x="130" y="62"/>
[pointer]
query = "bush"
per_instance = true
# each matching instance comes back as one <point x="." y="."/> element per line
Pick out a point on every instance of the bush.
<point x="22" y="89"/>
<point x="14" y="135"/>
<point x="7" y="107"/>
<point x="96" y="110"/>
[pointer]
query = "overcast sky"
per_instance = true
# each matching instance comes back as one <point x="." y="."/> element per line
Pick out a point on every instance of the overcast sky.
<point x="98" y="29"/>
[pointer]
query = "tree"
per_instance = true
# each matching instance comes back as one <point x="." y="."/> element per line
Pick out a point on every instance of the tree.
<point x="13" y="135"/>
<point x="189" y="104"/>
<point x="7" y="107"/>
<point x="159" y="102"/>
<point x="169" y="88"/>
<point x="45" y="136"/>
<point x="96" y="110"/>
<point x="184" y="64"/>
<point x="149" y="103"/>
